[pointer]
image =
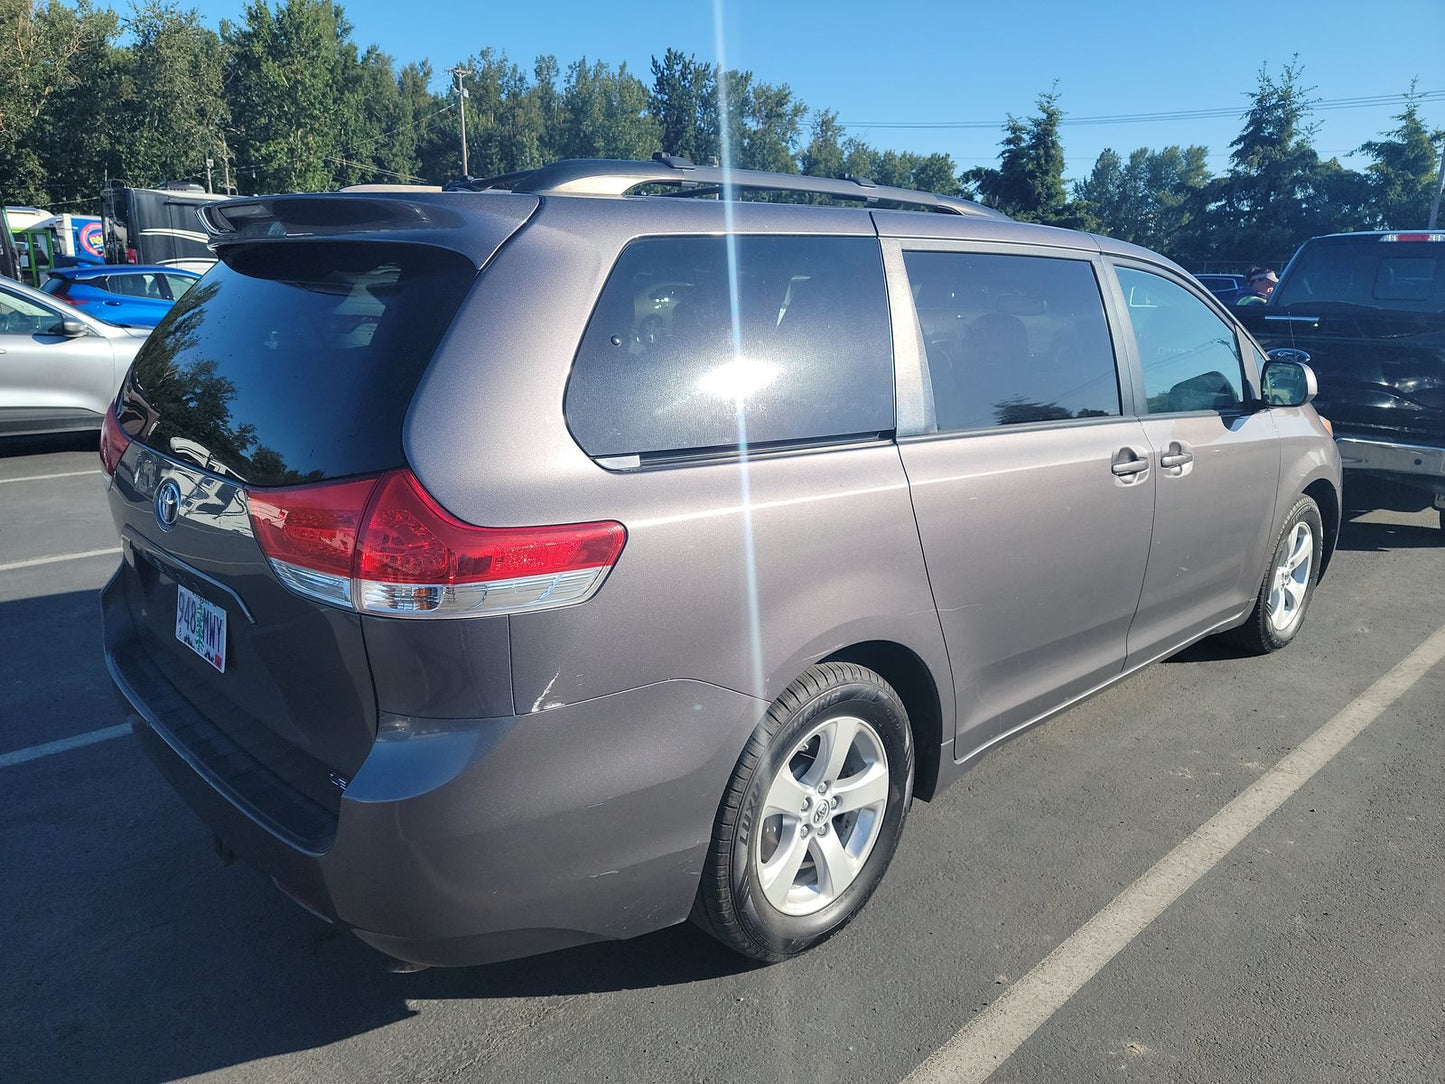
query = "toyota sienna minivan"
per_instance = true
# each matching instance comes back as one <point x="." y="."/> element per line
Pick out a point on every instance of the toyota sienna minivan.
<point x="553" y="559"/>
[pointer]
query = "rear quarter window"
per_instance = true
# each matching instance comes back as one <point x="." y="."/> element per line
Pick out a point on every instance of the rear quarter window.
<point x="702" y="344"/>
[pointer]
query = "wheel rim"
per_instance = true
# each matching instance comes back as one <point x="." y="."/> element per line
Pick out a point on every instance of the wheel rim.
<point x="1293" y="564"/>
<point x="821" y="816"/>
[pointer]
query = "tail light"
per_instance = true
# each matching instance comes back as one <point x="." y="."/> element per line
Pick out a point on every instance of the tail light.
<point x="113" y="441"/>
<point x="383" y="545"/>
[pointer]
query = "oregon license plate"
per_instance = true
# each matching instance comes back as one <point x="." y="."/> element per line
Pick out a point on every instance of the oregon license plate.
<point x="201" y="627"/>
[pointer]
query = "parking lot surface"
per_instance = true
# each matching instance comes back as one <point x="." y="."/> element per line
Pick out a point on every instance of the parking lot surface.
<point x="1308" y="950"/>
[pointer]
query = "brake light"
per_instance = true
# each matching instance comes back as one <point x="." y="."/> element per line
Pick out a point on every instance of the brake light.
<point x="1413" y="237"/>
<point x="113" y="441"/>
<point x="384" y="545"/>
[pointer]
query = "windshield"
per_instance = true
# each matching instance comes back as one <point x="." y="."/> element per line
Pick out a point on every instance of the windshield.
<point x="294" y="363"/>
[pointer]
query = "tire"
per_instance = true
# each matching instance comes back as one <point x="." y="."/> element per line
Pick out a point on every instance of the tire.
<point x="811" y="816"/>
<point x="1289" y="582"/>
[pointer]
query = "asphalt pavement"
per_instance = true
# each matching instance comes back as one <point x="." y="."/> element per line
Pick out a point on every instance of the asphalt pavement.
<point x="1311" y="949"/>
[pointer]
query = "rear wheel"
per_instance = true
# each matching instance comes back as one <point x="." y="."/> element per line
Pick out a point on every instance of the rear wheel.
<point x="1289" y="583"/>
<point x="811" y="816"/>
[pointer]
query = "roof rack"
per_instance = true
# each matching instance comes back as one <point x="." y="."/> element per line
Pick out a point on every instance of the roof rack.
<point x="606" y="177"/>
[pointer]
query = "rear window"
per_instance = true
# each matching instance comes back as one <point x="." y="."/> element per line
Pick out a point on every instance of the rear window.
<point x="294" y="363"/>
<point x="705" y="344"/>
<point x="1404" y="276"/>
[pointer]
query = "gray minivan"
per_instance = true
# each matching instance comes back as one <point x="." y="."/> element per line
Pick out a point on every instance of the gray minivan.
<point x="511" y="568"/>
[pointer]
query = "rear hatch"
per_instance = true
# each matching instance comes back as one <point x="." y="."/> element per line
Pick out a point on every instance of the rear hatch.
<point x="1370" y="310"/>
<point x="292" y="363"/>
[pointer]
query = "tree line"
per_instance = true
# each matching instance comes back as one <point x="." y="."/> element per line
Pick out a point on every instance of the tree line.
<point x="285" y="100"/>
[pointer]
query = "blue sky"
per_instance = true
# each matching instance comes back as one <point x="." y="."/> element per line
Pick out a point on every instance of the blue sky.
<point x="937" y="63"/>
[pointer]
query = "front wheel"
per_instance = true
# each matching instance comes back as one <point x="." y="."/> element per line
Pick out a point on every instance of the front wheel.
<point x="1289" y="583"/>
<point x="811" y="816"/>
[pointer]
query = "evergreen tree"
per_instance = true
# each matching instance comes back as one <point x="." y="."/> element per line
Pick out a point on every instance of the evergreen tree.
<point x="1404" y="172"/>
<point x="680" y="101"/>
<point x="1029" y="182"/>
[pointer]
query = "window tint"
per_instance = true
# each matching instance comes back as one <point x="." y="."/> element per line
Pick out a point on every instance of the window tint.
<point x="1189" y="355"/>
<point x="1013" y="339"/>
<point x="689" y="349"/>
<point x="294" y="362"/>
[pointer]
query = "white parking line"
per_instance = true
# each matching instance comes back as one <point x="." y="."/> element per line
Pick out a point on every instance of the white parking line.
<point x="47" y="477"/>
<point x="56" y="558"/>
<point x="983" y="1044"/>
<point x="35" y="752"/>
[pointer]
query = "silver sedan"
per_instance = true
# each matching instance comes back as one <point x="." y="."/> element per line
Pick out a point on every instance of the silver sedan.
<point x="59" y="368"/>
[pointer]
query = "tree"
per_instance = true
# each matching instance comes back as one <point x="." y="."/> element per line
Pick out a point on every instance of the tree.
<point x="1029" y="182"/>
<point x="682" y="101"/>
<point x="823" y="156"/>
<point x="288" y="78"/>
<point x="171" y="103"/>
<point x="605" y="114"/>
<point x="1273" y="166"/>
<point x="1403" y="175"/>
<point x="57" y="77"/>
<point x="1152" y="200"/>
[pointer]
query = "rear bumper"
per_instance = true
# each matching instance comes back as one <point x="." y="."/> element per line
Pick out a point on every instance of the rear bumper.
<point x="467" y="841"/>
<point x="1417" y="465"/>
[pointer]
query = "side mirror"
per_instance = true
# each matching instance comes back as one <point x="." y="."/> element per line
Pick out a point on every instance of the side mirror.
<point x="1288" y="380"/>
<point x="72" y="328"/>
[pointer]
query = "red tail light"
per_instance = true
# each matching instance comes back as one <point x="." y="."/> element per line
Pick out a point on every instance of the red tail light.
<point x="384" y="545"/>
<point x="113" y="441"/>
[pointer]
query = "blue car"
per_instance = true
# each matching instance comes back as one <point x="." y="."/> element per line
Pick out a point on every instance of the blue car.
<point x="121" y="293"/>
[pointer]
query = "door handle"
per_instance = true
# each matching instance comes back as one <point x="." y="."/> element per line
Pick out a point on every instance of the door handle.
<point x="1176" y="456"/>
<point x="1127" y="461"/>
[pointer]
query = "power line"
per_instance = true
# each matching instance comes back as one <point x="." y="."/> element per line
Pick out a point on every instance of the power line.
<point x="1363" y="102"/>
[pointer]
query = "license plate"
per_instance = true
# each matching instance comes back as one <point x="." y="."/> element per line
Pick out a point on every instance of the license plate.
<point x="201" y="627"/>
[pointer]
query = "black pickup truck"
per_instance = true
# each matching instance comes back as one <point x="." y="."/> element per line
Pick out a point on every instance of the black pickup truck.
<point x="1369" y="308"/>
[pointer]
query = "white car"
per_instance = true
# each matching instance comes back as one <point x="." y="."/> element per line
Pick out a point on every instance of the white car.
<point x="59" y="368"/>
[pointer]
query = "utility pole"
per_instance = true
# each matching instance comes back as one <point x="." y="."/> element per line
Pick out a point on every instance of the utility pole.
<point x="209" y="163"/>
<point x="460" y="72"/>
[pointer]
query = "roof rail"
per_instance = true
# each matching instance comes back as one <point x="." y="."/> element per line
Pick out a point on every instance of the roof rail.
<point x="607" y="177"/>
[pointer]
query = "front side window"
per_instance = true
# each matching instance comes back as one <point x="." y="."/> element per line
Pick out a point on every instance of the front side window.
<point x="1190" y="357"/>
<point x="715" y="343"/>
<point x="21" y="316"/>
<point x="1013" y="339"/>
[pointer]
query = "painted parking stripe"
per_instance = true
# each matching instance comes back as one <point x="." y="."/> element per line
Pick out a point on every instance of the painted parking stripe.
<point x="47" y="477"/>
<point x="57" y="558"/>
<point x="79" y="741"/>
<point x="983" y="1044"/>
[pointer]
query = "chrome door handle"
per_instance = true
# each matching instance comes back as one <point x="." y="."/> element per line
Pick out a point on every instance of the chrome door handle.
<point x="1127" y="462"/>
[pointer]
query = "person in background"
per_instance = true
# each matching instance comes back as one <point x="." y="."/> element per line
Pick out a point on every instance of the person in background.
<point x="1261" y="285"/>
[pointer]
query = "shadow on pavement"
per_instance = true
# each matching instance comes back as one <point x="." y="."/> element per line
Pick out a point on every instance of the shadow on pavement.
<point x="1379" y="537"/>
<point x="58" y="442"/>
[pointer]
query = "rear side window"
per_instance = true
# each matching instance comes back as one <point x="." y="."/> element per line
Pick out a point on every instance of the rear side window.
<point x="295" y="362"/>
<point x="1190" y="357"/>
<point x="710" y="343"/>
<point x="1013" y="339"/>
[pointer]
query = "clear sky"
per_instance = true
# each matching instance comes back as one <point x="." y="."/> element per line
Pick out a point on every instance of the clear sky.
<point x="934" y="62"/>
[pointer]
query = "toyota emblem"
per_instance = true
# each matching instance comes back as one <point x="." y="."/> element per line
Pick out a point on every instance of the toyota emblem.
<point x="168" y="504"/>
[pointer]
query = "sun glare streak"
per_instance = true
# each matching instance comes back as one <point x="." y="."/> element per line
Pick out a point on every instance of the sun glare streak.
<point x="755" y="634"/>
